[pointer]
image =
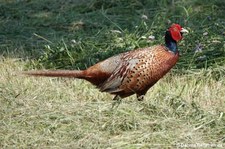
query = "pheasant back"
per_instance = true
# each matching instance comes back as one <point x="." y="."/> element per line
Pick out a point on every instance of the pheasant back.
<point x="139" y="70"/>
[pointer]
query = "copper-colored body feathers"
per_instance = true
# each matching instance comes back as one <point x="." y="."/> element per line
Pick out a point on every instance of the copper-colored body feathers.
<point x="128" y="73"/>
<point x="133" y="72"/>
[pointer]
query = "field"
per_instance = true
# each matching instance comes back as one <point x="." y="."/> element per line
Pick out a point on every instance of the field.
<point x="185" y="109"/>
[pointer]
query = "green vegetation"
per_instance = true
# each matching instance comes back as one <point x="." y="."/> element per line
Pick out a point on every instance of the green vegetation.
<point x="184" y="108"/>
<point x="77" y="34"/>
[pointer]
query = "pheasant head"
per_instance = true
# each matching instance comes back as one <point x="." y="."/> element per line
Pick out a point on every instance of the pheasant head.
<point x="173" y="35"/>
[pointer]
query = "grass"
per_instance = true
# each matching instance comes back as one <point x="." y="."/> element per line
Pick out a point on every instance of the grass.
<point x="56" y="113"/>
<point x="184" y="109"/>
<point x="66" y="35"/>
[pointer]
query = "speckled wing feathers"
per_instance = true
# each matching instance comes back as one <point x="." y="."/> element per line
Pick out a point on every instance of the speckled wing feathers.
<point x="139" y="70"/>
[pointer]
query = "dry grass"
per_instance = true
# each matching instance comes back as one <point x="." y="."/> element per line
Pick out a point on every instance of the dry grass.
<point x="185" y="109"/>
<point x="54" y="113"/>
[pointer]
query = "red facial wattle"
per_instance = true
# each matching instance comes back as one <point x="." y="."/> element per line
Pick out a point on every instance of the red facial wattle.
<point x="175" y="32"/>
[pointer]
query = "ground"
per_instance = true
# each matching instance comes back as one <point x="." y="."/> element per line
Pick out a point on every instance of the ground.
<point x="184" y="109"/>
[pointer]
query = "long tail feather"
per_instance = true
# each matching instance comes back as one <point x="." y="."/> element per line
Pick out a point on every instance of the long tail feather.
<point x="57" y="73"/>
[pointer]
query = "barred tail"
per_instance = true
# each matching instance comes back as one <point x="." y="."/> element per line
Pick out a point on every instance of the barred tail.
<point x="57" y="73"/>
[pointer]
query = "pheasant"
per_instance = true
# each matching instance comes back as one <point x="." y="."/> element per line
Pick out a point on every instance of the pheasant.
<point x="132" y="72"/>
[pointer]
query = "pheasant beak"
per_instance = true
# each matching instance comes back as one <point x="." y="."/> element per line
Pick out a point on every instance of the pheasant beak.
<point x="183" y="30"/>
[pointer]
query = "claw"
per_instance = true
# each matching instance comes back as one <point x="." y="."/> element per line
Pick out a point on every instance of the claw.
<point x="116" y="102"/>
<point x="140" y="98"/>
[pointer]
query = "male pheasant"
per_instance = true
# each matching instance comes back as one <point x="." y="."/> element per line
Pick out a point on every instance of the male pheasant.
<point x="129" y="73"/>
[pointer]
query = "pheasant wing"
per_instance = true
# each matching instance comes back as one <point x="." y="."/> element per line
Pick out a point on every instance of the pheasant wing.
<point x="113" y="83"/>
